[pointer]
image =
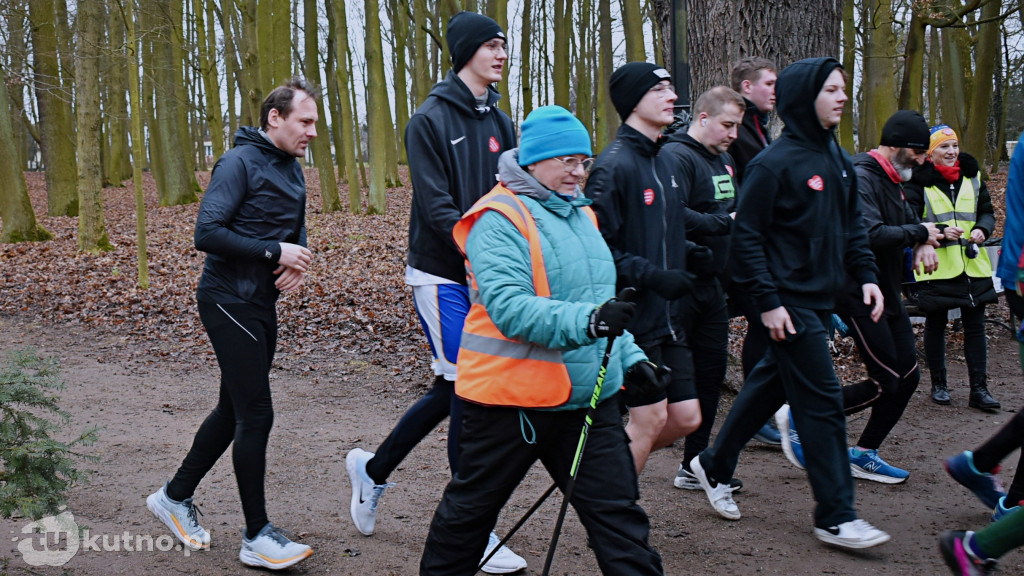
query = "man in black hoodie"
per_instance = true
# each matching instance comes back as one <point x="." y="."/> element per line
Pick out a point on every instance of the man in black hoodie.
<point x="636" y="198"/>
<point x="798" y="232"/>
<point x="252" y="226"/>
<point x="708" y="191"/>
<point x="453" y="142"/>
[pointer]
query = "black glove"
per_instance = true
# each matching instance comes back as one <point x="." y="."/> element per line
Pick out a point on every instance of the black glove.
<point x="700" y="260"/>
<point x="610" y="318"/>
<point x="645" y="380"/>
<point x="671" y="284"/>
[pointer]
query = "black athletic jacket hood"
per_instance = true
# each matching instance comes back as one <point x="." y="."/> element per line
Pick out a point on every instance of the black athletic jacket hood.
<point x="453" y="148"/>
<point x="798" y="226"/>
<point x="641" y="217"/>
<point x="708" y="192"/>
<point x="256" y="200"/>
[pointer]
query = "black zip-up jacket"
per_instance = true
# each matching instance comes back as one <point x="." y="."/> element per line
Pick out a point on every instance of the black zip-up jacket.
<point x="641" y="216"/>
<point x="708" y="192"/>
<point x="962" y="290"/>
<point x="256" y="200"/>
<point x="798" y="226"/>
<point x="892" y="226"/>
<point x="752" y="137"/>
<point x="453" y="148"/>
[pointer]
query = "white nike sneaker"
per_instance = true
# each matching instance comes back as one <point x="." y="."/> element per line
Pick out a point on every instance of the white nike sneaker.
<point x="365" y="494"/>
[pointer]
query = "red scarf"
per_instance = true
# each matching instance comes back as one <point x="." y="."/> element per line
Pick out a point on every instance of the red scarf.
<point x="950" y="173"/>
<point x="890" y="171"/>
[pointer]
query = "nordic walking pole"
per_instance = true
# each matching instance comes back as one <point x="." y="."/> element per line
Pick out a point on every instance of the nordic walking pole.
<point x="625" y="295"/>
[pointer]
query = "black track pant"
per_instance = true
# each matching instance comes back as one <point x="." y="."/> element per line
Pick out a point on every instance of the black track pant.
<point x="888" y="350"/>
<point x="494" y="458"/>
<point x="244" y="338"/>
<point x="706" y="324"/>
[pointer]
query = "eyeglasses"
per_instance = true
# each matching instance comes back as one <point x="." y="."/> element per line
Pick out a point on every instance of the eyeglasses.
<point x="497" y="46"/>
<point x="570" y="163"/>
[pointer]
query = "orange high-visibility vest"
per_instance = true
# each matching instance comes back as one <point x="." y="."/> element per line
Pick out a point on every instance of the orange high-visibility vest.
<point x="494" y="370"/>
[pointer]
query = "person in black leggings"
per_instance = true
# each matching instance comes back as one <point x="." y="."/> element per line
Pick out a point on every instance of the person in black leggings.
<point x="252" y="226"/>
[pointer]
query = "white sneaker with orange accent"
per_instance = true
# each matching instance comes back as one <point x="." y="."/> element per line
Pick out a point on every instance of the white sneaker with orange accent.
<point x="272" y="550"/>
<point x="180" y="517"/>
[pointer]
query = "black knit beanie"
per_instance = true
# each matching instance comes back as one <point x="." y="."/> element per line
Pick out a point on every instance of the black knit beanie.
<point x="631" y="81"/>
<point x="466" y="32"/>
<point x="906" y="129"/>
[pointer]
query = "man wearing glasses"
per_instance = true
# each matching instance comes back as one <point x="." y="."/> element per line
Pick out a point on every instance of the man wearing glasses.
<point x="453" y="142"/>
<point x="641" y="216"/>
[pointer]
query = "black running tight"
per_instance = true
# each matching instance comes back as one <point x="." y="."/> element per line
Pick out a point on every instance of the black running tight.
<point x="1009" y="438"/>
<point x="244" y="338"/>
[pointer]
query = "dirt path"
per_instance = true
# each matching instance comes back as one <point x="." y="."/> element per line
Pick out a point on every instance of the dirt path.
<point x="149" y="408"/>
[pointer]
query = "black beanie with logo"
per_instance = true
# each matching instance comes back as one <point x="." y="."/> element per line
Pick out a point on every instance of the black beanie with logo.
<point x="466" y="32"/>
<point x="631" y="81"/>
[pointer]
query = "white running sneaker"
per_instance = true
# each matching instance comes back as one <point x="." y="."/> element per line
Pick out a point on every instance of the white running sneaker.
<point x="791" y="445"/>
<point x="853" y="534"/>
<point x="365" y="494"/>
<point x="720" y="495"/>
<point x="180" y="517"/>
<point x="504" y="560"/>
<point x="272" y="550"/>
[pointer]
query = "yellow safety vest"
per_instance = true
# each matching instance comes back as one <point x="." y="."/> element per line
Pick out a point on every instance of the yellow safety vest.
<point x="939" y="209"/>
<point x="494" y="370"/>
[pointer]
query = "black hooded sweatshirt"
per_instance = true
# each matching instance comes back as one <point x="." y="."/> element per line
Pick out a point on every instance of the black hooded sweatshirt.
<point x="453" y="147"/>
<point x="708" y="192"/>
<point x="798" y="226"/>
<point x="636" y="199"/>
<point x="751" y="138"/>
<point x="256" y="200"/>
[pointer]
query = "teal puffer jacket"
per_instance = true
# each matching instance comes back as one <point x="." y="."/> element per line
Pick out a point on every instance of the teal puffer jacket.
<point x="581" y="273"/>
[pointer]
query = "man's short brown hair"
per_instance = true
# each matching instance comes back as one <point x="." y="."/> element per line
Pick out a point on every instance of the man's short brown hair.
<point x="715" y="99"/>
<point x="749" y="69"/>
<point x="281" y="98"/>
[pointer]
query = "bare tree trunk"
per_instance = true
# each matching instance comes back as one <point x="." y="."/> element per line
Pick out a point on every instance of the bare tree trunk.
<point x="137" y="148"/>
<point x="525" y="70"/>
<point x="912" y="88"/>
<point x="561" y="72"/>
<point x="349" y="123"/>
<point x="421" y="81"/>
<point x="207" y="42"/>
<point x="322" y="143"/>
<point x="92" y="229"/>
<point x="975" y="138"/>
<point x="879" y="81"/>
<point x="56" y="119"/>
<point x="849" y="60"/>
<point x="17" y="220"/>
<point x="119" y="166"/>
<point x="400" y="24"/>
<point x="633" y="29"/>
<point x="379" y="113"/>
<point x="607" y="117"/>
<point x="584" y="64"/>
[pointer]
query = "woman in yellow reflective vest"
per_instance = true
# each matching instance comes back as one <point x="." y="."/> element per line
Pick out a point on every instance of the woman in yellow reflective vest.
<point x="947" y="190"/>
<point x="541" y="282"/>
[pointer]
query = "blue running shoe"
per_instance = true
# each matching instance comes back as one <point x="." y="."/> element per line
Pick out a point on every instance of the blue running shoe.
<point x="869" y="466"/>
<point x="1001" y="510"/>
<point x="985" y="486"/>
<point x="791" y="446"/>
<point x="769" y="434"/>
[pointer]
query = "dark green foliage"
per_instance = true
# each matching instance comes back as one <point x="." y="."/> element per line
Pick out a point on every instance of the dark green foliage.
<point x="36" y="470"/>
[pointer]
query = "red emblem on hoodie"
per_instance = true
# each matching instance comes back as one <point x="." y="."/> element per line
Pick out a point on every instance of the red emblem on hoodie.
<point x="816" y="183"/>
<point x="648" y="197"/>
<point x="493" y="145"/>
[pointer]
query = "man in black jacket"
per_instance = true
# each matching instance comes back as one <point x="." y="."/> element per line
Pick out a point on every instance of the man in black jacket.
<point x="754" y="79"/>
<point x="641" y="216"/>
<point x="453" y="142"/>
<point x="252" y="226"/>
<point x="707" y="189"/>
<point x="798" y="232"/>
<point x="887" y="347"/>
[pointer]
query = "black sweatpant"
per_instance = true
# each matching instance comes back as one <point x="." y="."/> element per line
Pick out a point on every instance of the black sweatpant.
<point x="889" y="352"/>
<point x="799" y="370"/>
<point x="417" y="422"/>
<point x="975" y="343"/>
<point x="495" y="457"/>
<point x="244" y="338"/>
<point x="706" y="324"/>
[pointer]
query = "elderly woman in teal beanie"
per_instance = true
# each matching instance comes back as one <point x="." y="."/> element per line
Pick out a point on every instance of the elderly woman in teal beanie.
<point x="542" y="286"/>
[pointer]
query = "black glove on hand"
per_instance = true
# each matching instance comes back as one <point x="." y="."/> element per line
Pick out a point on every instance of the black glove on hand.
<point x="610" y="318"/>
<point x="700" y="260"/>
<point x="671" y="284"/>
<point x="645" y="380"/>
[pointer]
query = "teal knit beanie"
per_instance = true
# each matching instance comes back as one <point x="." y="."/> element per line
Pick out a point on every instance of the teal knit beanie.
<point x="551" y="131"/>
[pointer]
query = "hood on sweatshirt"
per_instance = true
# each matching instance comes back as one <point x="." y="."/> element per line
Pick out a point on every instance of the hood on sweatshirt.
<point x="795" y="93"/>
<point x="452" y="89"/>
<point x="252" y="136"/>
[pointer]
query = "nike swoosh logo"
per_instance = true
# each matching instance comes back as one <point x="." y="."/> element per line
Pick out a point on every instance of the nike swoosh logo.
<point x="457" y="140"/>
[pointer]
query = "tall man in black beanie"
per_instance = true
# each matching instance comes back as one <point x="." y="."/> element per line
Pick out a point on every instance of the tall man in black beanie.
<point x="453" y="142"/>
<point x="641" y="216"/>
